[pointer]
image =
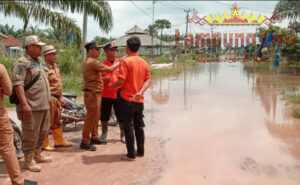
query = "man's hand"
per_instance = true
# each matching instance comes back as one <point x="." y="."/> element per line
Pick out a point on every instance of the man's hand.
<point x="138" y="96"/>
<point x="115" y="65"/>
<point x="26" y="112"/>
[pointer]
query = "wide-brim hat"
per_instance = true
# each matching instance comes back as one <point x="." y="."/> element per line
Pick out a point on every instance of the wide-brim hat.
<point x="49" y="49"/>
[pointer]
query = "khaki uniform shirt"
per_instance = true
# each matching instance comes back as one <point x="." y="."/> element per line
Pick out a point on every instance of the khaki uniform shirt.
<point x="92" y="78"/>
<point x="24" y="71"/>
<point x="55" y="80"/>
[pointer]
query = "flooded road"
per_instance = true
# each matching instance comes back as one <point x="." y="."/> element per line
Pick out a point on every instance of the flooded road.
<point x="215" y="124"/>
<point x="224" y="126"/>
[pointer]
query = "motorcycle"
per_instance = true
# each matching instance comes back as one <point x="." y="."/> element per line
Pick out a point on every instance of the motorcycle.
<point x="71" y="112"/>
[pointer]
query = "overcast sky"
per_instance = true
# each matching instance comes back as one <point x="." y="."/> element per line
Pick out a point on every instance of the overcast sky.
<point x="126" y="14"/>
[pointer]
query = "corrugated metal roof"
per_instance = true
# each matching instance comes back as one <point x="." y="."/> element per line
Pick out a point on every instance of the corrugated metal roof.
<point x="11" y="41"/>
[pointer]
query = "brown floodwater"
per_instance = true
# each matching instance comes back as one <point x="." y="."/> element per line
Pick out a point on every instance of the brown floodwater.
<point x="224" y="125"/>
<point x="214" y="124"/>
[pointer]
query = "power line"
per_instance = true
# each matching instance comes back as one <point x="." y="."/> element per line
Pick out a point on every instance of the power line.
<point x="142" y="10"/>
<point x="169" y="5"/>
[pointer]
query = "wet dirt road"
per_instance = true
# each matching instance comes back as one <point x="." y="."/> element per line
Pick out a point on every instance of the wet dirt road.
<point x="216" y="124"/>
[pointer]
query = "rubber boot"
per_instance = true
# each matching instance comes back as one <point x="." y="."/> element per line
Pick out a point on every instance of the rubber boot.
<point x="103" y="137"/>
<point x="39" y="158"/>
<point x="59" y="138"/>
<point x="30" y="164"/>
<point x="46" y="144"/>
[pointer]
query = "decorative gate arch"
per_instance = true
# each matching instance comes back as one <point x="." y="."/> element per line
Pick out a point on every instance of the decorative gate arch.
<point x="227" y="39"/>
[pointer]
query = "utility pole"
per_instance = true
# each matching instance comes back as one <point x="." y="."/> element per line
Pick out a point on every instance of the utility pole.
<point x="187" y="11"/>
<point x="152" y="34"/>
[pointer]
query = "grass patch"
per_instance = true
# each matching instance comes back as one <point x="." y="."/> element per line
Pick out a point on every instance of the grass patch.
<point x="73" y="84"/>
<point x="294" y="99"/>
<point x="296" y="113"/>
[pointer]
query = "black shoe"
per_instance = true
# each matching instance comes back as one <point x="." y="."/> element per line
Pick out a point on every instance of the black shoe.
<point x="140" y="154"/>
<point x="126" y="158"/>
<point x="88" y="147"/>
<point x="96" y="141"/>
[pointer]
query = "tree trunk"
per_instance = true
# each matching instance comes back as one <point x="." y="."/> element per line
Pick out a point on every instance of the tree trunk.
<point x="26" y="20"/>
<point x="84" y="32"/>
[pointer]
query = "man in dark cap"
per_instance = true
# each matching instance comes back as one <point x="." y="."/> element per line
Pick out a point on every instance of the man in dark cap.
<point x="109" y="94"/>
<point x="92" y="88"/>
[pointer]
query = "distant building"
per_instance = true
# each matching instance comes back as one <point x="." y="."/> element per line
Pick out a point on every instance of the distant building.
<point x="9" y="45"/>
<point x="146" y="40"/>
<point x="2" y="48"/>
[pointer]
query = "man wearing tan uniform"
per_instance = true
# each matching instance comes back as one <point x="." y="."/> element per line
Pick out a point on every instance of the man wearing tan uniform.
<point x="7" y="149"/>
<point x="92" y="87"/>
<point x="33" y="106"/>
<point x="55" y="82"/>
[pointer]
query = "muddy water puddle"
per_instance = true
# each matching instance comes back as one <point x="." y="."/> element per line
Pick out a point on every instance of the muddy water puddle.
<point x="224" y="125"/>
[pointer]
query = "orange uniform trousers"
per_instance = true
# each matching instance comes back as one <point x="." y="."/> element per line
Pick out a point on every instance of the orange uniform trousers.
<point x="92" y="101"/>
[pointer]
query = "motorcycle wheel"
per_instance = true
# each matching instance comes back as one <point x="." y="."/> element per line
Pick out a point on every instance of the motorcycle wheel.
<point x="18" y="144"/>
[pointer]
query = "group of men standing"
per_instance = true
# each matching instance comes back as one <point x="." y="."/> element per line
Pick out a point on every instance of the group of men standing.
<point x="114" y="83"/>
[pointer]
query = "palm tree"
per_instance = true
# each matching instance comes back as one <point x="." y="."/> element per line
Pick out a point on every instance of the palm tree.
<point x="43" y="11"/>
<point x="289" y="9"/>
<point x="10" y="30"/>
<point x="162" y="24"/>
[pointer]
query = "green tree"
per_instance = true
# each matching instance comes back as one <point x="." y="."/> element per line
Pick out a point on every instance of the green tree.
<point x="152" y="30"/>
<point x="162" y="24"/>
<point x="102" y="40"/>
<point x="10" y="30"/>
<point x="287" y="9"/>
<point x="295" y="26"/>
<point x="43" y="11"/>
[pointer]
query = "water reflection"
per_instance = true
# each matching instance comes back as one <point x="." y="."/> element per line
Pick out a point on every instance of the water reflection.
<point x="160" y="91"/>
<point x="216" y="116"/>
<point x="230" y="80"/>
<point x="271" y="89"/>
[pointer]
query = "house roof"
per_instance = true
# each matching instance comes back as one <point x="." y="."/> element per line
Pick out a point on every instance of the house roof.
<point x="11" y="41"/>
<point x="144" y="36"/>
<point x="135" y="30"/>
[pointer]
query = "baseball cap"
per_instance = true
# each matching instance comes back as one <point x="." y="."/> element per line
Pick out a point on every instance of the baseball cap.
<point x="91" y="45"/>
<point x="33" y="40"/>
<point x="110" y="45"/>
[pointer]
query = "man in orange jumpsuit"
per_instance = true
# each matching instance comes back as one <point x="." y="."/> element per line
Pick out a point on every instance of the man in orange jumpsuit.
<point x="7" y="149"/>
<point x="56" y="100"/>
<point x="92" y="88"/>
